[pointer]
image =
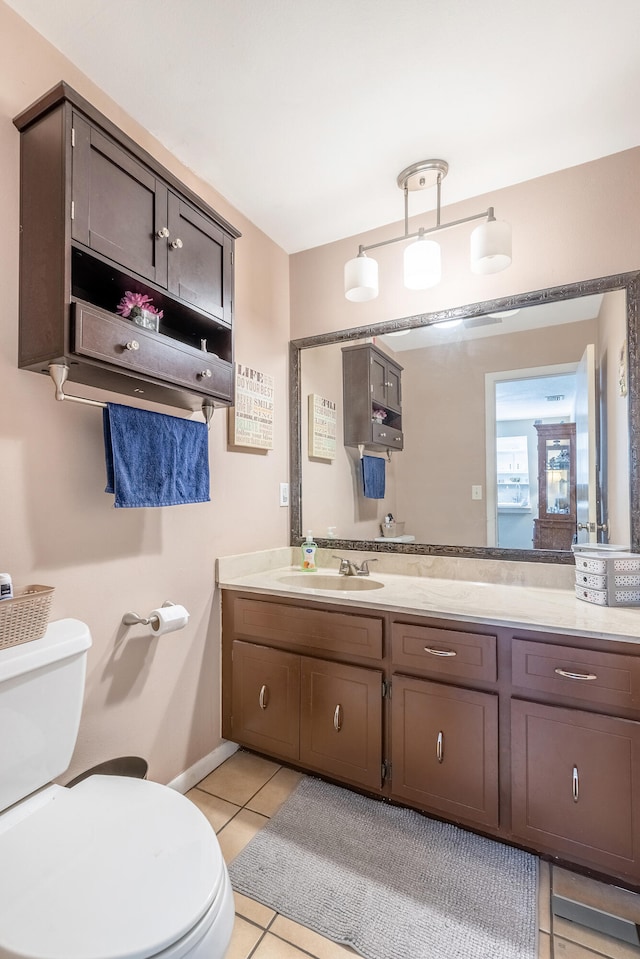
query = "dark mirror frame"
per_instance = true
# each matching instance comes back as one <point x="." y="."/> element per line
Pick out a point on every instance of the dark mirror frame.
<point x="621" y="281"/>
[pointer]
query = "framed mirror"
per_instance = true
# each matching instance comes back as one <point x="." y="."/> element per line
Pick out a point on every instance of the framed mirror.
<point x="468" y="480"/>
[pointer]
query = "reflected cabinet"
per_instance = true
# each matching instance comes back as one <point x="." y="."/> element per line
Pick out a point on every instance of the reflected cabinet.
<point x="372" y="398"/>
<point x="555" y="525"/>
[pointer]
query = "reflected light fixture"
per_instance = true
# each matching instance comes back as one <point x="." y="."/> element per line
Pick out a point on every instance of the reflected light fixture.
<point x="490" y="242"/>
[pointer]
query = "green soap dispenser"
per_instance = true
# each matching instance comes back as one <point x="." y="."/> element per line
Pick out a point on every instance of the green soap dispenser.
<point x="309" y="554"/>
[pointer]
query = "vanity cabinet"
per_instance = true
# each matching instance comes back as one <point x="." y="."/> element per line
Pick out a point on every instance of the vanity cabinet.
<point x="445" y="749"/>
<point x="305" y="684"/>
<point x="372" y="398"/>
<point x="555" y="525"/>
<point x="444" y="740"/>
<point x="527" y="736"/>
<point x="575" y="778"/>
<point x="100" y="217"/>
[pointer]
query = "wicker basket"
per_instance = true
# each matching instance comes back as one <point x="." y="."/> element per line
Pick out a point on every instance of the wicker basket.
<point x="25" y="617"/>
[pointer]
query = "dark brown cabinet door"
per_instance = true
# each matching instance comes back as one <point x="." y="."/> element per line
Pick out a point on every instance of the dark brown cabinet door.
<point x="265" y="707"/>
<point x="199" y="253"/>
<point x="341" y="721"/>
<point x="393" y="384"/>
<point x="445" y="749"/>
<point x="575" y="778"/>
<point x="119" y="206"/>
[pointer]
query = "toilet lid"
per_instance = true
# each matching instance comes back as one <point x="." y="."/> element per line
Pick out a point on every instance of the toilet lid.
<point x="114" y="868"/>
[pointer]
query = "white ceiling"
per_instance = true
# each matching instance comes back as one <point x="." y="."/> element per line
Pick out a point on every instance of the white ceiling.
<point x="302" y="112"/>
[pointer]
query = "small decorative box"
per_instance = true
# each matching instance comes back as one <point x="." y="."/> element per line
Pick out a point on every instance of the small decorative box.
<point x="608" y="577"/>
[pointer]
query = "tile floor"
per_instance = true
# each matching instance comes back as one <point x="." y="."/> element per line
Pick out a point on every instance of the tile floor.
<point x="239" y="797"/>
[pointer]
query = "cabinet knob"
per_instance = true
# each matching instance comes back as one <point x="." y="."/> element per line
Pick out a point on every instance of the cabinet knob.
<point x="176" y="244"/>
<point x="337" y="718"/>
<point x="383" y="434"/>
<point x="397" y="439"/>
<point x="206" y="374"/>
<point x="132" y="345"/>
<point x="162" y="232"/>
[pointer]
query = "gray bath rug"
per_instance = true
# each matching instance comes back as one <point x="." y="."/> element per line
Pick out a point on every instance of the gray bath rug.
<point x="389" y="882"/>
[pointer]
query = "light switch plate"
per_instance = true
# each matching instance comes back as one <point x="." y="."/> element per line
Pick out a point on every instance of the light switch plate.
<point x="284" y="494"/>
<point x="476" y="492"/>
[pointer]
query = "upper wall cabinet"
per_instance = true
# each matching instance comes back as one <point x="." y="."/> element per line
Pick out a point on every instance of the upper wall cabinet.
<point x="100" y="217"/>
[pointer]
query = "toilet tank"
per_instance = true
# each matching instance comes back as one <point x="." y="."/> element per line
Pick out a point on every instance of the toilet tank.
<point x="41" y="693"/>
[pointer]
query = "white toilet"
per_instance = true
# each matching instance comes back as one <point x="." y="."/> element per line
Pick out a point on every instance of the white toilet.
<point x="113" y="868"/>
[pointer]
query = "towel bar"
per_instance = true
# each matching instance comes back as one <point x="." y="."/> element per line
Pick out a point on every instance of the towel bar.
<point x="60" y="371"/>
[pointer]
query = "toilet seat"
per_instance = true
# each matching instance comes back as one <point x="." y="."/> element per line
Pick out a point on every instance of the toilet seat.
<point x="91" y="874"/>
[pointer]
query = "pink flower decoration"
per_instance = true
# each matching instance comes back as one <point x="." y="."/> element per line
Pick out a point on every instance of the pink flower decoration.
<point x="137" y="300"/>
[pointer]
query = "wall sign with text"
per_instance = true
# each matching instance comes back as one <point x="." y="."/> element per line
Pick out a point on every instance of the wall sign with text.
<point x="251" y="416"/>
<point x="322" y="427"/>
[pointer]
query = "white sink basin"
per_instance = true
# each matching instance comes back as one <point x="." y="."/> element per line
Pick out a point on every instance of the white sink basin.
<point x="330" y="581"/>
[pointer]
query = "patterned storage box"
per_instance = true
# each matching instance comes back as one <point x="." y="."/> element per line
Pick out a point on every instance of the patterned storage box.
<point x="26" y="616"/>
<point x="608" y="578"/>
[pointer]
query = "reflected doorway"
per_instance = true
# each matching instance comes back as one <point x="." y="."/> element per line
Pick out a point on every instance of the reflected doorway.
<point x="517" y="401"/>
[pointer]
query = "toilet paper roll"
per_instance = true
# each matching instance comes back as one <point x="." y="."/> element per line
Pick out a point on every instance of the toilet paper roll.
<point x="168" y="619"/>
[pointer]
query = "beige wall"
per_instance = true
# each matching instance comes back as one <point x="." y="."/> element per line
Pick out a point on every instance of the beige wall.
<point x="154" y="698"/>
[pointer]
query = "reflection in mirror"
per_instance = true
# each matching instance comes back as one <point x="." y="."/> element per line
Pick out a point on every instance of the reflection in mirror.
<point x="514" y="429"/>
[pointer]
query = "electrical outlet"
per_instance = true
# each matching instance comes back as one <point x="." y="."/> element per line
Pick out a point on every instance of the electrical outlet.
<point x="284" y="494"/>
<point x="476" y="492"/>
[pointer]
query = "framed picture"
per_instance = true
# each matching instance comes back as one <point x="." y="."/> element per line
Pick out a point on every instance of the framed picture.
<point x="251" y="416"/>
<point x="322" y="427"/>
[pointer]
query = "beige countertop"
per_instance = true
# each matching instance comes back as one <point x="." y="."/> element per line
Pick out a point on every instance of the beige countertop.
<point x="447" y="590"/>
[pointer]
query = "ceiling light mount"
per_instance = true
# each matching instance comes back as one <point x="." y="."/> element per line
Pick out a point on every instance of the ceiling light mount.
<point x="490" y="242"/>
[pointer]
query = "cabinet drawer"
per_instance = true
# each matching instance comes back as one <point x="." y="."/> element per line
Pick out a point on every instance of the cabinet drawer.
<point x="304" y="627"/>
<point x="386" y="436"/>
<point x="444" y="652"/>
<point x="611" y="679"/>
<point x="104" y="337"/>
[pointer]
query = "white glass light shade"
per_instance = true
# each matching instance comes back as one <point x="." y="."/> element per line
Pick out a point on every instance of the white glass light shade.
<point x="422" y="265"/>
<point x="491" y="247"/>
<point x="361" y="279"/>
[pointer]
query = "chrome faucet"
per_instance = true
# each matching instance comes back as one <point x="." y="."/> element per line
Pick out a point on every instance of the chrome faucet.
<point x="348" y="568"/>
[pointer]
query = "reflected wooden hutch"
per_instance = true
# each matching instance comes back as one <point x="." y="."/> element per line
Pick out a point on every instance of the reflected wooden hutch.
<point x="555" y="525"/>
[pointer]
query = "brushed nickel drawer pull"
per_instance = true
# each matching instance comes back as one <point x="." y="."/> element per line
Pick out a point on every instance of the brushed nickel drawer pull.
<point x="440" y="652"/>
<point x="575" y="784"/>
<point x="132" y="345"/>
<point x="569" y="675"/>
<point x="440" y="747"/>
<point x="337" y="718"/>
<point x="262" y="699"/>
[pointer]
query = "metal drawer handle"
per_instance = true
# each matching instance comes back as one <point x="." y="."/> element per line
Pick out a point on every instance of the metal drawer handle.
<point x="383" y="434"/>
<point x="440" y="747"/>
<point x="569" y="675"/>
<point x="262" y="699"/>
<point x="337" y="718"/>
<point x="176" y="244"/>
<point x="132" y="345"/>
<point x="575" y="784"/>
<point x="440" y="652"/>
<point x="162" y="232"/>
<point x="205" y="374"/>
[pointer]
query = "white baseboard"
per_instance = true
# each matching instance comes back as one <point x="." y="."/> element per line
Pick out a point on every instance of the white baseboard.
<point x="192" y="776"/>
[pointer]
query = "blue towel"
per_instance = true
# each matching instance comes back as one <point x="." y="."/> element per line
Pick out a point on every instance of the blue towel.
<point x="373" y="476"/>
<point x="153" y="459"/>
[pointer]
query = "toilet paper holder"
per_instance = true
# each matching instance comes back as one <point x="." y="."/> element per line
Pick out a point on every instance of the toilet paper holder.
<point x="132" y="619"/>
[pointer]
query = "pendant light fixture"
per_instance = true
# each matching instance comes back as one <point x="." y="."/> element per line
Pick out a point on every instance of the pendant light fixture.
<point x="490" y="242"/>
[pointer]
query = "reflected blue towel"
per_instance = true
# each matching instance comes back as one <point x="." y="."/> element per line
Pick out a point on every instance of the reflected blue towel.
<point x="153" y="459"/>
<point x="373" y="476"/>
